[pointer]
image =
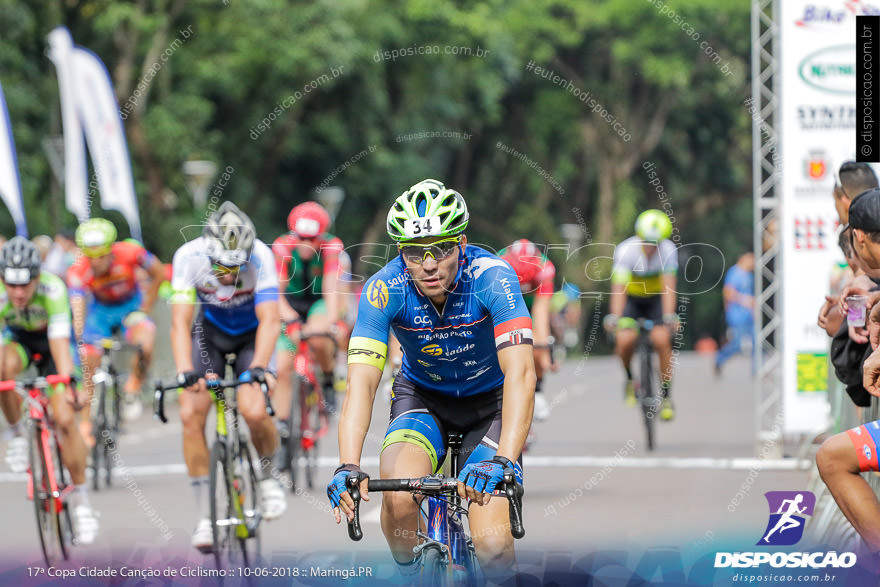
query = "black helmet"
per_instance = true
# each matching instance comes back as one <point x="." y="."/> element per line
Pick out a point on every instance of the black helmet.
<point x="19" y="261"/>
<point x="230" y="234"/>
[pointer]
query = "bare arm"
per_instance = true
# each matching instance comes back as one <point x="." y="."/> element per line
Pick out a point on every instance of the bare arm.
<point x="78" y="307"/>
<point x="357" y="411"/>
<point x="181" y="341"/>
<point x="59" y="348"/>
<point x="267" y="333"/>
<point x="669" y="295"/>
<point x="518" y="404"/>
<point x="157" y="276"/>
<point x="618" y="299"/>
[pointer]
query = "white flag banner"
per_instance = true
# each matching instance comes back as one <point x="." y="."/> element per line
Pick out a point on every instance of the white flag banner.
<point x="10" y="184"/>
<point x="99" y="115"/>
<point x="75" y="168"/>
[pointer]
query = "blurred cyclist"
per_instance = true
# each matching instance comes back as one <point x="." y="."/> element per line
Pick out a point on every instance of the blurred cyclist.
<point x="535" y="273"/>
<point x="307" y="259"/>
<point x="643" y="286"/>
<point x="229" y="276"/>
<point x="105" y="298"/>
<point x="36" y="316"/>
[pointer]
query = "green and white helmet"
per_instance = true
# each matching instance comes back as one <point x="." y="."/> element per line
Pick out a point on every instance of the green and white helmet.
<point x="653" y="226"/>
<point x="428" y="208"/>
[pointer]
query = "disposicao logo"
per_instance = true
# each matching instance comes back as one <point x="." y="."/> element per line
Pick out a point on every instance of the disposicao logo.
<point x="787" y="511"/>
<point x="785" y="528"/>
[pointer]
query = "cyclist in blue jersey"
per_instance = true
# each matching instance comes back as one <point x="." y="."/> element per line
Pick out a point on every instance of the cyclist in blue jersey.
<point x="466" y="336"/>
<point x="230" y="276"/>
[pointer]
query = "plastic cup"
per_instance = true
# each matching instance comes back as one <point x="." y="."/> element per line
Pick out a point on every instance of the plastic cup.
<point x="856" y="310"/>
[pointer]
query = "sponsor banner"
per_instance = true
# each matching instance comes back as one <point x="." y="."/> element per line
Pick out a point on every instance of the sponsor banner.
<point x="99" y="113"/>
<point x="10" y="184"/>
<point x="817" y="107"/>
<point x="75" y="167"/>
<point x="89" y="106"/>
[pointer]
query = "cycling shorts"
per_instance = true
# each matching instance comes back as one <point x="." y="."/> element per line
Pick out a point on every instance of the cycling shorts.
<point x="866" y="439"/>
<point x="103" y="320"/>
<point x="33" y="349"/>
<point x="210" y="345"/>
<point x="650" y="308"/>
<point x="423" y="418"/>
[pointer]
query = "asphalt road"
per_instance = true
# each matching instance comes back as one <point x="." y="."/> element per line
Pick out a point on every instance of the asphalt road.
<point x="590" y="486"/>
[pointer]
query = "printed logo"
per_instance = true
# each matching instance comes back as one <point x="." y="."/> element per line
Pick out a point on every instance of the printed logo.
<point x="787" y="511"/>
<point x="816" y="165"/>
<point x="832" y="69"/>
<point x="377" y="294"/>
<point x="817" y="16"/>
<point x="433" y="350"/>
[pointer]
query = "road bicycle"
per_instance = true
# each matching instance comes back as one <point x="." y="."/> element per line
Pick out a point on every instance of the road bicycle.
<point x="48" y="483"/>
<point x="233" y="479"/>
<point x="447" y="552"/>
<point x="309" y="419"/>
<point x="647" y="383"/>
<point x="107" y="409"/>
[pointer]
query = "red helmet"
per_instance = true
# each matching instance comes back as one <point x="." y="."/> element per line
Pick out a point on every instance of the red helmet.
<point x="525" y="258"/>
<point x="308" y="220"/>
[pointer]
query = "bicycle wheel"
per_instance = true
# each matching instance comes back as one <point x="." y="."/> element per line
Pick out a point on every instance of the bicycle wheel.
<point x="65" y="525"/>
<point x="648" y="399"/>
<point x="48" y="528"/>
<point x="294" y="437"/>
<point x="312" y="413"/>
<point x="435" y="570"/>
<point x="111" y="423"/>
<point x="246" y="488"/>
<point x="222" y="509"/>
<point x="99" y="429"/>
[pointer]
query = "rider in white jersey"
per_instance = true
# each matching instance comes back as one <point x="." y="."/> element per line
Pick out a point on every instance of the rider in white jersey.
<point x="230" y="277"/>
<point x="643" y="286"/>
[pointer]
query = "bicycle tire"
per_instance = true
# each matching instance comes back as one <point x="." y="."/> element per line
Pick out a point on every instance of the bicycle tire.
<point x="249" y="497"/>
<point x="294" y="436"/>
<point x="65" y="524"/>
<point x="221" y="505"/>
<point x="435" y="570"/>
<point x="112" y="425"/>
<point x="649" y="404"/>
<point x="310" y="445"/>
<point x="48" y="527"/>
<point x="99" y="429"/>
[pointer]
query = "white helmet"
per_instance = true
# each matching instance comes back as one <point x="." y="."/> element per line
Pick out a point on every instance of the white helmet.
<point x="230" y="235"/>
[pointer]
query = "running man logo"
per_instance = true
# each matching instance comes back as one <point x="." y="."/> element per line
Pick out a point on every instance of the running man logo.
<point x="787" y="511"/>
<point x="377" y="294"/>
<point x="433" y="350"/>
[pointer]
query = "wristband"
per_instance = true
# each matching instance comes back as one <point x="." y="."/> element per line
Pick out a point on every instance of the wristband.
<point x="347" y="467"/>
<point x="504" y="461"/>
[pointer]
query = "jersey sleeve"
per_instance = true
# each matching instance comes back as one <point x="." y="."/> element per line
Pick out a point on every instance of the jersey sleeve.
<point x="57" y="308"/>
<point x="545" y="278"/>
<point x="621" y="268"/>
<point x="369" y="338"/>
<point x="669" y="256"/>
<point x="330" y="255"/>
<point x="266" y="287"/>
<point x="76" y="277"/>
<point x="501" y="295"/>
<point x="281" y="250"/>
<point x="183" y="288"/>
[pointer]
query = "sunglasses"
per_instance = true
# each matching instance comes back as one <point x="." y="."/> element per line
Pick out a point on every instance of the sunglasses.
<point x="439" y="250"/>
<point x="221" y="270"/>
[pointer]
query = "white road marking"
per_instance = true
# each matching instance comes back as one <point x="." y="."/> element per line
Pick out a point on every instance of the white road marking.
<point x="728" y="464"/>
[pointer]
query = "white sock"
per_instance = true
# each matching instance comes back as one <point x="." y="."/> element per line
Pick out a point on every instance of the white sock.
<point x="200" y="492"/>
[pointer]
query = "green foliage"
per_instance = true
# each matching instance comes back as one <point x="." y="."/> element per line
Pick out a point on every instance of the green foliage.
<point x="272" y="61"/>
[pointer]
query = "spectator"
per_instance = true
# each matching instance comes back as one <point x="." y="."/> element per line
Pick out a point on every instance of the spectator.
<point x="43" y="242"/>
<point x="739" y="304"/>
<point x="62" y="254"/>
<point x="854" y="179"/>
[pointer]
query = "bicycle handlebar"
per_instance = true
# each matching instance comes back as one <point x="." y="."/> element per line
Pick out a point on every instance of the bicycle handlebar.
<point x="435" y="485"/>
<point x="161" y="387"/>
<point x="36" y="382"/>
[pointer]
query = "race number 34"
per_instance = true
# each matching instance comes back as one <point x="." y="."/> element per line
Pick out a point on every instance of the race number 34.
<point x="418" y="227"/>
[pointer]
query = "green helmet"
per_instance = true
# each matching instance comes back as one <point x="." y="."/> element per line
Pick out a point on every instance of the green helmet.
<point x="427" y="209"/>
<point x="653" y="226"/>
<point x="95" y="237"/>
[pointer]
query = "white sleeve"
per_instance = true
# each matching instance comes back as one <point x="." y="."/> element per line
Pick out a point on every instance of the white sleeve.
<point x="264" y="261"/>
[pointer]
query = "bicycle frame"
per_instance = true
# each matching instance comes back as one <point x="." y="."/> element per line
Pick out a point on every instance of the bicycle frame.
<point x="52" y="490"/>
